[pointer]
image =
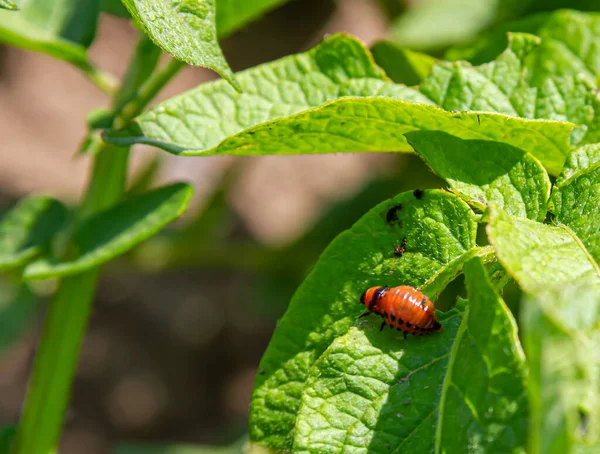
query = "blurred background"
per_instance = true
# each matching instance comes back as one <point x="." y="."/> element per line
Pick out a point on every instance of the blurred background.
<point x="180" y="323"/>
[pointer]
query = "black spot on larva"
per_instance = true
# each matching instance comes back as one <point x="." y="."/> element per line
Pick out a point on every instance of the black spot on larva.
<point x="392" y="214"/>
<point x="393" y="318"/>
<point x="408" y="325"/>
<point x="400" y="322"/>
<point x="418" y="193"/>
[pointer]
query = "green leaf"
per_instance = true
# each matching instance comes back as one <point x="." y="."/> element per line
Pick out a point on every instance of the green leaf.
<point x="60" y="28"/>
<point x="435" y="24"/>
<point x="27" y="228"/>
<point x="115" y="231"/>
<point x="402" y="65"/>
<point x="18" y="307"/>
<point x="580" y="159"/>
<point x="437" y="228"/>
<point x="538" y="255"/>
<point x="576" y="203"/>
<point x="570" y="45"/>
<point x="486" y="172"/>
<point x="375" y="392"/>
<point x="186" y="29"/>
<point x="484" y="401"/>
<point x="561" y="339"/>
<point x="234" y="14"/>
<point x="503" y="86"/>
<point x="214" y="119"/>
<point x="7" y="4"/>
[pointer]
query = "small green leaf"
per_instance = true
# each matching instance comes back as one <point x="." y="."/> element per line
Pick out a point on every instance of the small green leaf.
<point x="27" y="228"/>
<point x="7" y="4"/>
<point x="436" y="228"/>
<point x="115" y="231"/>
<point x="60" y="28"/>
<point x="375" y="392"/>
<point x="403" y="66"/>
<point x="186" y="29"/>
<point x="577" y="205"/>
<point x="484" y="401"/>
<point x="580" y="159"/>
<point x="570" y="45"/>
<point x="561" y="339"/>
<point x="487" y="171"/>
<point x="335" y="99"/>
<point x="234" y="14"/>
<point x="538" y="255"/>
<point x="18" y="307"/>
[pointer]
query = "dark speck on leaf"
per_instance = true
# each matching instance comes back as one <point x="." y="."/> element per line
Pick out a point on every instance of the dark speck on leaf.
<point x="418" y="193"/>
<point x="392" y="214"/>
<point x="261" y="372"/>
<point x="406" y="402"/>
<point x="400" y="250"/>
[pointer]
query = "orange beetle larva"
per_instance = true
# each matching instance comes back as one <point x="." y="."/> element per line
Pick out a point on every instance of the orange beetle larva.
<point x="403" y="308"/>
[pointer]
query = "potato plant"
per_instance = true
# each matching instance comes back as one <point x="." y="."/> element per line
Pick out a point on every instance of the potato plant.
<point x="510" y="120"/>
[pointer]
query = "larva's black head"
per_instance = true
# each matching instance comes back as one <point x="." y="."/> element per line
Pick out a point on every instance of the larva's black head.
<point x="363" y="297"/>
<point x="370" y="297"/>
<point x="418" y="193"/>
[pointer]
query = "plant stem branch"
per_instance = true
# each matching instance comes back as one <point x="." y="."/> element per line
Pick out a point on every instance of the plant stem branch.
<point x="69" y="310"/>
<point x="106" y="82"/>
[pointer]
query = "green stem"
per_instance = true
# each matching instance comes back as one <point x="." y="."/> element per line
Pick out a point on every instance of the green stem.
<point x="69" y="310"/>
<point x="148" y="91"/>
<point x="106" y="82"/>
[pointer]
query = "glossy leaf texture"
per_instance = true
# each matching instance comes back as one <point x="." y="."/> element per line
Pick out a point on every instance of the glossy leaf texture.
<point x="576" y="200"/>
<point x="27" y="228"/>
<point x="504" y="85"/>
<point x="334" y="99"/>
<point x="437" y="228"/>
<point x="113" y="232"/>
<point x="60" y="28"/>
<point x="186" y="29"/>
<point x="580" y="159"/>
<point x="538" y="255"/>
<point x="486" y="172"/>
<point x="484" y="404"/>
<point x="561" y="339"/>
<point x="570" y="45"/>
